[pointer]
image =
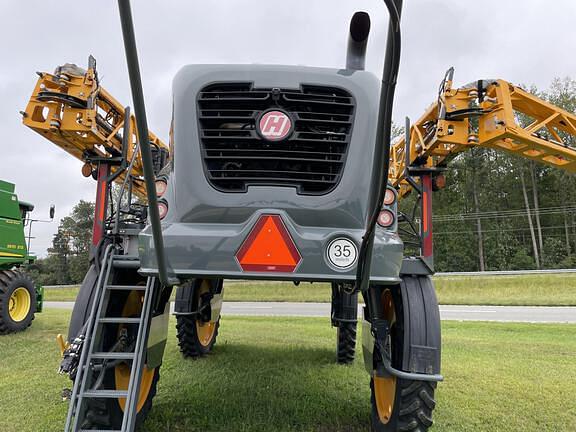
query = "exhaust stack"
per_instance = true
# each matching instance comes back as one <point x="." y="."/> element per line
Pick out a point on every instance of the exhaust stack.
<point x="357" y="41"/>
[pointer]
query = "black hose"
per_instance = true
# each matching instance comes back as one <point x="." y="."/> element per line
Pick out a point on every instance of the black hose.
<point x="383" y="139"/>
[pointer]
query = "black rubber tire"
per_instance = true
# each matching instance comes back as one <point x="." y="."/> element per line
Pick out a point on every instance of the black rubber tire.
<point x="346" y="342"/>
<point x="188" y="340"/>
<point x="10" y="280"/>
<point x="413" y="400"/>
<point x="107" y="414"/>
<point x="413" y="406"/>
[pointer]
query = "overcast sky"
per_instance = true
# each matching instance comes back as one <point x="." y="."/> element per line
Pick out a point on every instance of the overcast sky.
<point x="523" y="41"/>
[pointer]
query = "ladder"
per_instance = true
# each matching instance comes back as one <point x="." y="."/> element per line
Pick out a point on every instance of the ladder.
<point x="92" y="361"/>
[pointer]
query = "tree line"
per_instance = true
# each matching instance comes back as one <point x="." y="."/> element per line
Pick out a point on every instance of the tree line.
<point x="67" y="260"/>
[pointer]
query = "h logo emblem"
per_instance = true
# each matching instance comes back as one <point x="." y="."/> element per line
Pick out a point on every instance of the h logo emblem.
<point x="275" y="125"/>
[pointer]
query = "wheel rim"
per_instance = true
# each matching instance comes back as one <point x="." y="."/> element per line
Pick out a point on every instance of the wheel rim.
<point x="205" y="332"/>
<point x="385" y="387"/>
<point x="122" y="376"/>
<point x="19" y="304"/>
<point x="205" y="329"/>
<point x="133" y="307"/>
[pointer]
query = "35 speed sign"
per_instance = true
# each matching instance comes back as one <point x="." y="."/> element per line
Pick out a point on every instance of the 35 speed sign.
<point x="342" y="253"/>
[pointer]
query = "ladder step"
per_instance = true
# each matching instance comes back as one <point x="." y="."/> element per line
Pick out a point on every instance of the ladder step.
<point x="113" y="355"/>
<point x="126" y="257"/>
<point x="126" y="261"/>
<point x="106" y="394"/>
<point x="119" y="320"/>
<point x="126" y="287"/>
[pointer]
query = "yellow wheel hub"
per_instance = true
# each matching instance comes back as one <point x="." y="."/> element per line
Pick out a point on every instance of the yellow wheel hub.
<point x="19" y="304"/>
<point x="385" y="387"/>
<point x="122" y="376"/>
<point x="133" y="307"/>
<point x="205" y="330"/>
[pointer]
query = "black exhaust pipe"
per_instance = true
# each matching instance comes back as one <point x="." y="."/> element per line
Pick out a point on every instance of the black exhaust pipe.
<point x="357" y="41"/>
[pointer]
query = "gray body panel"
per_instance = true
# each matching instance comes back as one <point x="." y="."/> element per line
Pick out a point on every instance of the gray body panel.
<point x="205" y="228"/>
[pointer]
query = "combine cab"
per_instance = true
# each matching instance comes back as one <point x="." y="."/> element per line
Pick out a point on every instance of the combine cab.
<point x="20" y="299"/>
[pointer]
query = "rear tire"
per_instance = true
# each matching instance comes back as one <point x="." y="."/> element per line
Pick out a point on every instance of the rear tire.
<point x="344" y="315"/>
<point x="193" y="341"/>
<point x="197" y="332"/>
<point x="346" y="342"/>
<point x="17" y="301"/>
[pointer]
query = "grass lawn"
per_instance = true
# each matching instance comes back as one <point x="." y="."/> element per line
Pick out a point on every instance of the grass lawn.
<point x="531" y="290"/>
<point x="278" y="374"/>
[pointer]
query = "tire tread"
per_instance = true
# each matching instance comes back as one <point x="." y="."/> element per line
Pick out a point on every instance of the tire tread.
<point x="416" y="405"/>
<point x="346" y="343"/>
<point x="188" y="337"/>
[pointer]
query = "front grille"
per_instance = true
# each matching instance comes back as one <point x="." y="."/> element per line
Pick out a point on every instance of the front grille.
<point x="311" y="159"/>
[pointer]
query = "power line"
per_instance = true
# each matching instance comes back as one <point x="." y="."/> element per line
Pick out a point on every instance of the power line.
<point x="506" y="212"/>
<point x="503" y="214"/>
<point x="498" y="230"/>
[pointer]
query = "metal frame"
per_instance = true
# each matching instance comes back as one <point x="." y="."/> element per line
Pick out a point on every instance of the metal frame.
<point x="71" y="109"/>
<point x="446" y="129"/>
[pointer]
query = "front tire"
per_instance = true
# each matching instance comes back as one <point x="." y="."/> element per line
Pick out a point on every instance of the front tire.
<point x="411" y="409"/>
<point x="104" y="414"/>
<point x="107" y="414"/>
<point x="17" y="301"/>
<point x="398" y="404"/>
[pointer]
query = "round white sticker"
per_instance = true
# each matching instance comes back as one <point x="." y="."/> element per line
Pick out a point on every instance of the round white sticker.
<point x="342" y="253"/>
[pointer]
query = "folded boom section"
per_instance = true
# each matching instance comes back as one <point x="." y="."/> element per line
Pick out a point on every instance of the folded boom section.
<point x="71" y="109"/>
<point x="493" y="114"/>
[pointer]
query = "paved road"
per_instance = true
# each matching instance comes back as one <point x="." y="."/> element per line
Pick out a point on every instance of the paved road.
<point x="537" y="314"/>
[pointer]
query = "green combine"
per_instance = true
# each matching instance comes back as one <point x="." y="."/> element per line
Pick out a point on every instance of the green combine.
<point x="20" y="298"/>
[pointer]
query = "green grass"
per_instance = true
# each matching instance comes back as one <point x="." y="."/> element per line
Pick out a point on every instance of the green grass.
<point x="278" y="374"/>
<point x="532" y="290"/>
<point x="61" y="294"/>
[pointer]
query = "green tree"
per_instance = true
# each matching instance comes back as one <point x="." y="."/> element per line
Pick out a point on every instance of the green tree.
<point x="68" y="258"/>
